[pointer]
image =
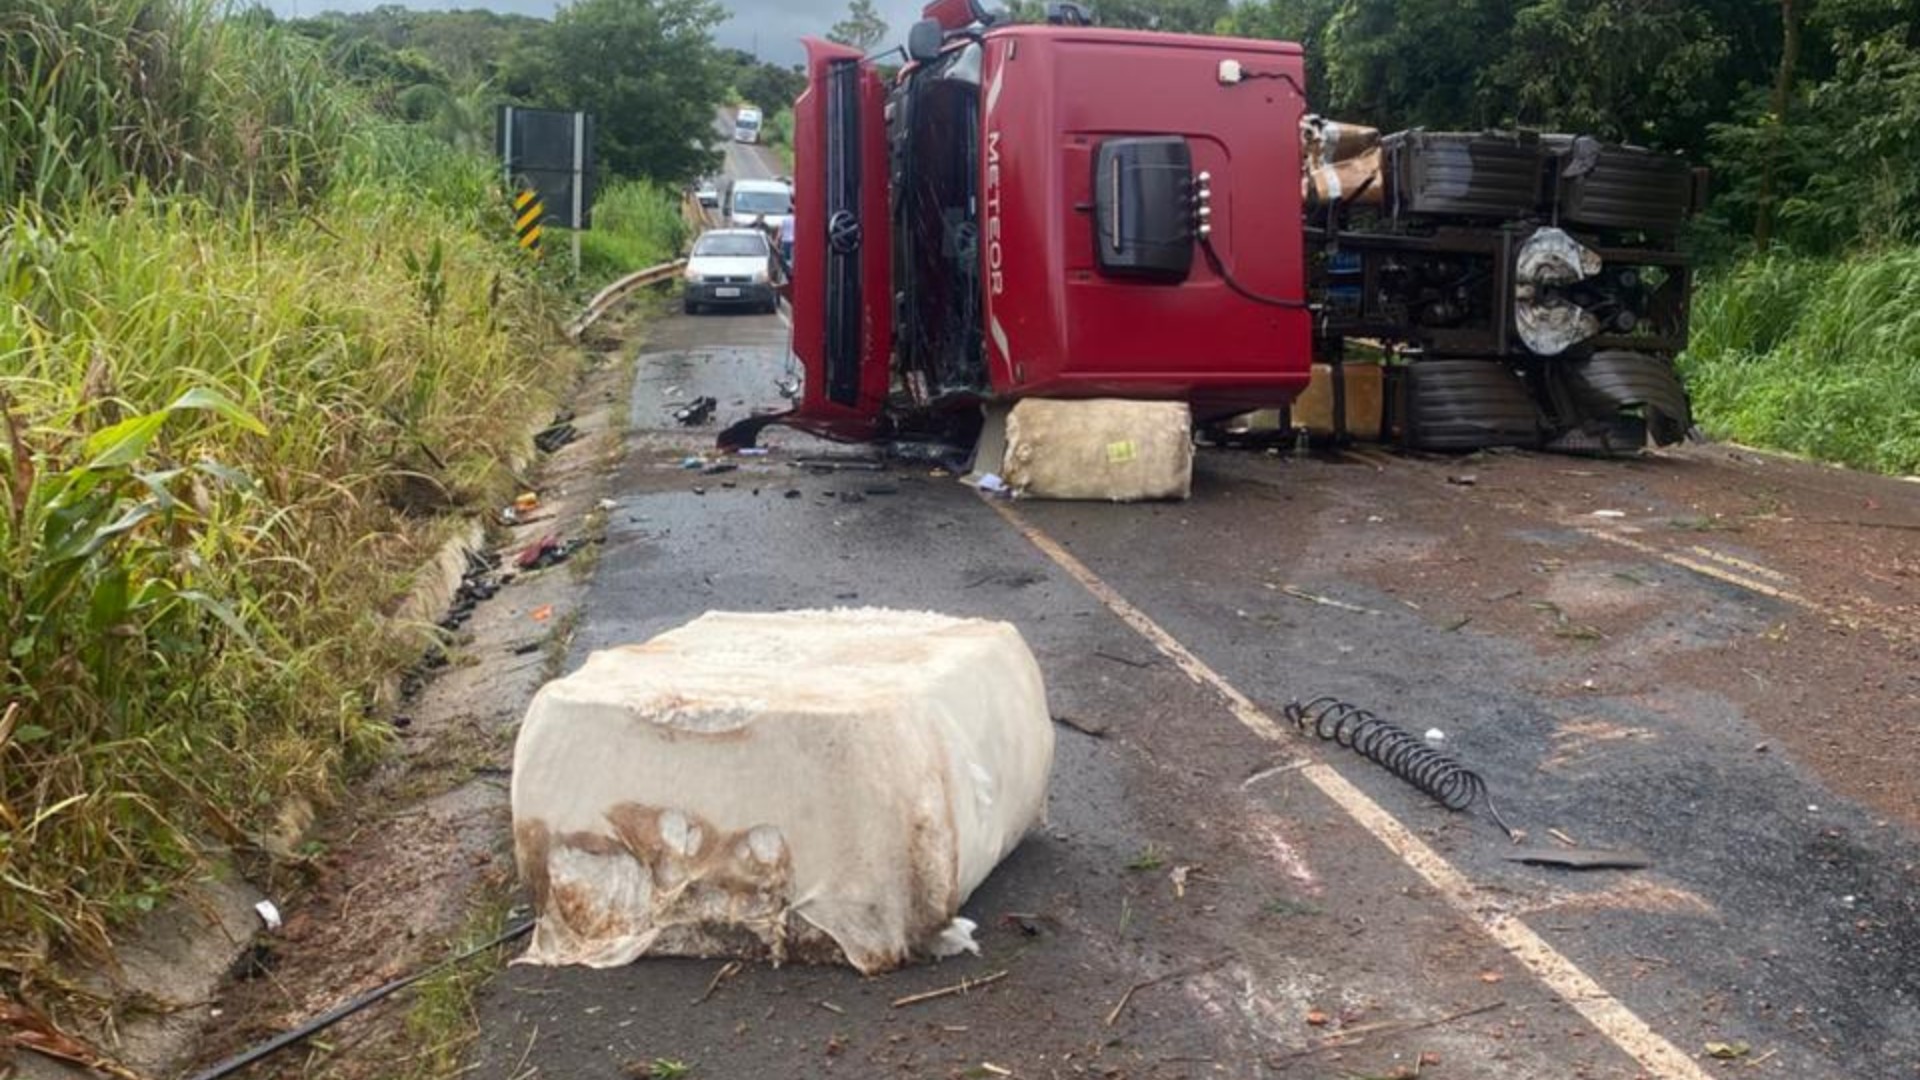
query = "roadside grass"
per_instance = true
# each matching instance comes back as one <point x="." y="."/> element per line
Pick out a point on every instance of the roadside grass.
<point x="256" y="349"/>
<point x="1815" y="356"/>
<point x="636" y="224"/>
<point x="777" y="133"/>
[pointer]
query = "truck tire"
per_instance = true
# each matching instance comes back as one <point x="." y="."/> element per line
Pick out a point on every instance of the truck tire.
<point x="1468" y="405"/>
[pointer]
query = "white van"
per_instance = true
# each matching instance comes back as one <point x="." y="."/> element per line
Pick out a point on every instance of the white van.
<point x="746" y="124"/>
<point x="765" y="203"/>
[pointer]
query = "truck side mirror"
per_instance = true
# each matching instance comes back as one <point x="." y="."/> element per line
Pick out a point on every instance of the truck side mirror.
<point x="924" y="40"/>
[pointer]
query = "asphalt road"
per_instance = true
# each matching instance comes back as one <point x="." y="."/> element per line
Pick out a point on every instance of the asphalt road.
<point x="1708" y="657"/>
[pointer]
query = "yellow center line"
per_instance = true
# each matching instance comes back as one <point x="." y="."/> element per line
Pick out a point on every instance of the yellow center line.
<point x="1708" y="569"/>
<point x="1660" y="1057"/>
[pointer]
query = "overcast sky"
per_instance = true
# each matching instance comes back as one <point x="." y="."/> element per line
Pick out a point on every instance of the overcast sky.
<point x="774" y="25"/>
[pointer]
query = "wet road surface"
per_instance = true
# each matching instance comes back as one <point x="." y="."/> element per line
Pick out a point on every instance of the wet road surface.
<point x="1710" y="673"/>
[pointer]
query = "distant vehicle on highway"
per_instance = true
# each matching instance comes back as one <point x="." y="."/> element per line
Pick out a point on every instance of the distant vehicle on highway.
<point x="729" y="268"/>
<point x="746" y="125"/>
<point x="766" y="203"/>
<point x="707" y="192"/>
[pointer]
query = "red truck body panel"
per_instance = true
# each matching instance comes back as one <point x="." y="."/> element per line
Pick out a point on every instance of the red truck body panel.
<point x="1056" y="326"/>
<point x="834" y="402"/>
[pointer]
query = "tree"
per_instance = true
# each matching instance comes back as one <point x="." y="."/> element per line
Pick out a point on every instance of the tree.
<point x="1174" y="16"/>
<point x="646" y="69"/>
<point x="863" y="28"/>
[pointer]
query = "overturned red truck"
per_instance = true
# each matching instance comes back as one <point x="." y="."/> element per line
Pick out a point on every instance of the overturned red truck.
<point x="1064" y="211"/>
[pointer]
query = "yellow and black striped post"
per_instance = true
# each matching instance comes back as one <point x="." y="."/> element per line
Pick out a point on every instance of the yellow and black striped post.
<point x="528" y="211"/>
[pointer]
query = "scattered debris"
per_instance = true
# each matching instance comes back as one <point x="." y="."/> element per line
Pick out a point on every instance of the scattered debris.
<point x="831" y="1007"/>
<point x="269" y="912"/>
<point x="727" y="971"/>
<point x="1609" y="513"/>
<point x="1435" y="735"/>
<point x="556" y="436"/>
<point x="1463" y="480"/>
<point x="1563" y="838"/>
<point x="698" y="411"/>
<point x="692" y="461"/>
<point x="840" y="464"/>
<point x="1728" y="1051"/>
<point x="1581" y="858"/>
<point x="1098" y="731"/>
<point x="994" y="1070"/>
<point x="1316" y="1018"/>
<point x="1181" y="973"/>
<point x="541" y="613"/>
<point x="1353" y="1036"/>
<point x="1491" y="977"/>
<point x="956" y="938"/>
<point x="753" y="451"/>
<point x="605" y="505"/>
<point x="1027" y="923"/>
<point x="719" y="467"/>
<point x="23" y="1028"/>
<point x="961" y="987"/>
<point x="1127" y="660"/>
<point x="992" y="484"/>
<point x="1179" y="879"/>
<point x="547" y="551"/>
<point x="1325" y="601"/>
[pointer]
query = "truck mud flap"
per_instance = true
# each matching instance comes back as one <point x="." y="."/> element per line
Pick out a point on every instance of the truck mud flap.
<point x="1599" y="389"/>
<point x="1468" y="405"/>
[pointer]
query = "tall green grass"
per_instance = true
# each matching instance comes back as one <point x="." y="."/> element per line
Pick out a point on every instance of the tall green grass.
<point x="254" y="346"/>
<point x="101" y="94"/>
<point x="1819" y="357"/>
<point x="636" y="224"/>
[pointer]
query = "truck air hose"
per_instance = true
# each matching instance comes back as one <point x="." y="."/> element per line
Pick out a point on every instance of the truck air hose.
<point x="1220" y="268"/>
<point x="1399" y="751"/>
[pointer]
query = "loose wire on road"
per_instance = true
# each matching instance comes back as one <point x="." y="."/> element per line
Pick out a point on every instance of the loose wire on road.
<point x="328" y="1019"/>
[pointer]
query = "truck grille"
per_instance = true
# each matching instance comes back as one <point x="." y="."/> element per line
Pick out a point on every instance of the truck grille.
<point x="727" y="279"/>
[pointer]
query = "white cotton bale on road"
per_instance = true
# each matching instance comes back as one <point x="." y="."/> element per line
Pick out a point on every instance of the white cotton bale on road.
<point x="1106" y="449"/>
<point x="809" y="784"/>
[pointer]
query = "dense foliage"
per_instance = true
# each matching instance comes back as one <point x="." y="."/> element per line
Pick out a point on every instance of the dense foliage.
<point x="255" y="339"/>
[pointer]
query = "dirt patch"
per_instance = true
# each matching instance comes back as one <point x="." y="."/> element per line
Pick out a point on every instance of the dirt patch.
<point x="1790" y="589"/>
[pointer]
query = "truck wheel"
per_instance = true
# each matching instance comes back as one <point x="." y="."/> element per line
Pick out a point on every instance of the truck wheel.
<point x="1468" y="405"/>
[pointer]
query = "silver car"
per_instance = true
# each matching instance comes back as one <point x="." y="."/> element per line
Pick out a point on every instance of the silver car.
<point x="729" y="268"/>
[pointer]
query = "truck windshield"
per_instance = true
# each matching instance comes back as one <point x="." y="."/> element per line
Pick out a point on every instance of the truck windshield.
<point x="937" y="222"/>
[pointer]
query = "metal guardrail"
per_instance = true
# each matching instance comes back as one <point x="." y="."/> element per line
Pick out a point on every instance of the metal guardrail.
<point x="604" y="300"/>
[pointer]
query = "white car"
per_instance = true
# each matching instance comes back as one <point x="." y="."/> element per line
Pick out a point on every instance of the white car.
<point x="765" y="203"/>
<point x="729" y="268"/>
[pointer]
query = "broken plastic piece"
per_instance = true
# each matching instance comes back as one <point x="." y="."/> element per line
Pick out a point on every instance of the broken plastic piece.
<point x="269" y="914"/>
<point x="1581" y="858"/>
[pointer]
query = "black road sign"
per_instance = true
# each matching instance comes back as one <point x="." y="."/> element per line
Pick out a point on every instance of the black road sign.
<point x="549" y="151"/>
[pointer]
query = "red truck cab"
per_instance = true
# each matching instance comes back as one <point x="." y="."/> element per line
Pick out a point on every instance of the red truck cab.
<point x="1047" y="211"/>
